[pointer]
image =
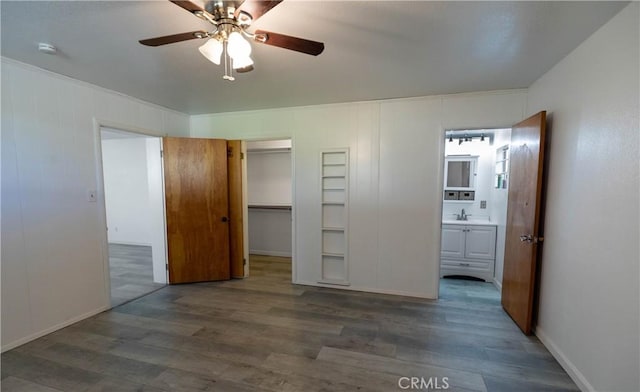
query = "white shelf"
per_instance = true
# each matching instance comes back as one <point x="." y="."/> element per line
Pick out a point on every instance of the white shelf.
<point x="334" y="185"/>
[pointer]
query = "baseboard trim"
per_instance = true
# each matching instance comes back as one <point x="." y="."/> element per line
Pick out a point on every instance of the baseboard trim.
<point x="497" y="284"/>
<point x="269" y="253"/>
<point x="367" y="290"/>
<point x="49" y="330"/>
<point x="129" y="243"/>
<point x="562" y="359"/>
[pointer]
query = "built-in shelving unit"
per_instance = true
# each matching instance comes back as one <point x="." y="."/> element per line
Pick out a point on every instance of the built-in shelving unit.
<point x="334" y="185"/>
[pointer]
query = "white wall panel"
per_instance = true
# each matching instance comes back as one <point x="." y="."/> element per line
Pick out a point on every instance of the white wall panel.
<point x="269" y="177"/>
<point x="495" y="109"/>
<point x="395" y="178"/>
<point x="52" y="260"/>
<point x="270" y="232"/>
<point x="589" y="293"/>
<point x="411" y="150"/>
<point x="126" y="189"/>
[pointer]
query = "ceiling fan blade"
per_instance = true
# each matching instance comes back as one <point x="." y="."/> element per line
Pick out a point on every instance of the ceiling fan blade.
<point x="302" y="45"/>
<point x="193" y="8"/>
<point x="256" y="8"/>
<point x="187" y="5"/>
<point x="169" y="39"/>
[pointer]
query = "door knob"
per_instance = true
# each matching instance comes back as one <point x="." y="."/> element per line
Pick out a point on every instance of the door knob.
<point x="225" y="219"/>
<point x="531" y="239"/>
<point x="526" y="238"/>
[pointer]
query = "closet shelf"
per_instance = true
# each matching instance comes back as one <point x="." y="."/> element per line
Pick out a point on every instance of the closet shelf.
<point x="333" y="229"/>
<point x="329" y="254"/>
<point x="333" y="176"/>
<point x="333" y="164"/>
<point x="270" y="207"/>
<point x="331" y="203"/>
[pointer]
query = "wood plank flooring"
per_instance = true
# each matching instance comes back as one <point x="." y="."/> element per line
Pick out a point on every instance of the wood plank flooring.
<point x="131" y="272"/>
<point x="265" y="334"/>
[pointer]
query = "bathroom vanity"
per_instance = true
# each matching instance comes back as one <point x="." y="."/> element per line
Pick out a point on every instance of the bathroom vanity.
<point x="468" y="249"/>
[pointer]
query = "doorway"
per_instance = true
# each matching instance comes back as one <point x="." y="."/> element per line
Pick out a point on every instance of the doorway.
<point x="134" y="207"/>
<point x="270" y="212"/>
<point x="474" y="214"/>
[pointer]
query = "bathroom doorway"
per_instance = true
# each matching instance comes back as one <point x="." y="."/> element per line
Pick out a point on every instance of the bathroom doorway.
<point x="474" y="212"/>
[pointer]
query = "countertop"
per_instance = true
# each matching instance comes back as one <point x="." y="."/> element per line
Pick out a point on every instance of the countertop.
<point x="473" y="222"/>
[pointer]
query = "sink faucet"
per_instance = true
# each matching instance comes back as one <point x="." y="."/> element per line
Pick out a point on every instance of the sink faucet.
<point x="462" y="216"/>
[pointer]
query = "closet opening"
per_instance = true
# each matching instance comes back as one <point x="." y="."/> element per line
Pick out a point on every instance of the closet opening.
<point x="270" y="210"/>
<point x="474" y="214"/>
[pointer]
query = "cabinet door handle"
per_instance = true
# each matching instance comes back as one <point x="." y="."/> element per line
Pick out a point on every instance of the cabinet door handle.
<point x="464" y="264"/>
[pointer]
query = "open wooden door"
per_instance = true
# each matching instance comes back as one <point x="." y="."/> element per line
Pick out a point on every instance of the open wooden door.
<point x="236" y="208"/>
<point x="523" y="219"/>
<point x="197" y="209"/>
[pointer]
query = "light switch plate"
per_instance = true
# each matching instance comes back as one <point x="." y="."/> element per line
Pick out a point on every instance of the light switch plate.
<point x="483" y="204"/>
<point x="92" y="195"/>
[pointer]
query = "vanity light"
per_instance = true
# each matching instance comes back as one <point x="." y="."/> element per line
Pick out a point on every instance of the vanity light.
<point x="450" y="139"/>
<point x="460" y="141"/>
<point x="482" y="137"/>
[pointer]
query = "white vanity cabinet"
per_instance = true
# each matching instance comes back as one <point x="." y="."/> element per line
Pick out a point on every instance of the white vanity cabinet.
<point x="468" y="250"/>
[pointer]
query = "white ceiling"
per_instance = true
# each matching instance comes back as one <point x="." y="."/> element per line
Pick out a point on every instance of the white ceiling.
<point x="374" y="50"/>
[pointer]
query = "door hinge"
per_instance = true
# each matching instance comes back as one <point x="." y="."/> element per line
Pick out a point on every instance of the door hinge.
<point x="229" y="152"/>
<point x="161" y="154"/>
<point x="244" y="261"/>
<point x="242" y="155"/>
<point x="166" y="266"/>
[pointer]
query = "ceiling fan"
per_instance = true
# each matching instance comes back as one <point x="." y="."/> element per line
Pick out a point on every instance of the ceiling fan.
<point x="228" y="41"/>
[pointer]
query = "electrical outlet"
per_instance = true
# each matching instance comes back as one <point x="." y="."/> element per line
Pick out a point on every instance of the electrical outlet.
<point x="92" y="195"/>
<point x="483" y="204"/>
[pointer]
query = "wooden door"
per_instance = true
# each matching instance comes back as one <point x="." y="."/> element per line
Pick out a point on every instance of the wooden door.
<point x="236" y="227"/>
<point x="523" y="219"/>
<point x="197" y="208"/>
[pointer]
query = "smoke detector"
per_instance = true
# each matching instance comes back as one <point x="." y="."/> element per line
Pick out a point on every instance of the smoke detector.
<point x="47" y="48"/>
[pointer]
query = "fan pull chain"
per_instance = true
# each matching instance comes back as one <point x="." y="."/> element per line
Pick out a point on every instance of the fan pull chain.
<point x="228" y="75"/>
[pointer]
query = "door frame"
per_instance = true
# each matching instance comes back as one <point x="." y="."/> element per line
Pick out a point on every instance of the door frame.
<point x="98" y="124"/>
<point x="245" y="207"/>
<point x="443" y="144"/>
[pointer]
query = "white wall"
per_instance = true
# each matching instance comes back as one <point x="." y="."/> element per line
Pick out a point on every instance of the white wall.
<point x="53" y="271"/>
<point x="499" y="202"/>
<point x="397" y="157"/>
<point x="589" y="299"/>
<point x="269" y="177"/>
<point x="126" y="191"/>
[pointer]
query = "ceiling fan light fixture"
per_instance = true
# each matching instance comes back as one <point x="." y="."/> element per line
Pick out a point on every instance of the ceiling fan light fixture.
<point x="212" y="50"/>
<point x="238" y="47"/>
<point x="242" y="62"/>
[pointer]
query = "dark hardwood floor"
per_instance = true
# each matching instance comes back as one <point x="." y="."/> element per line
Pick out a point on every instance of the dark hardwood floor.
<point x="265" y="334"/>
<point x="131" y="272"/>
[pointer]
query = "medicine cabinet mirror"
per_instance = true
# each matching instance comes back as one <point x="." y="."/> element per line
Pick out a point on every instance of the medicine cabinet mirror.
<point x="460" y="172"/>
